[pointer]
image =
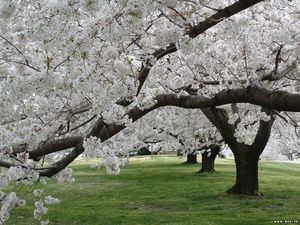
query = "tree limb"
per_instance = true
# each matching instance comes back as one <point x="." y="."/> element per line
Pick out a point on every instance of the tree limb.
<point x="192" y="32"/>
<point x="264" y="131"/>
<point x="220" y="16"/>
<point x="278" y="100"/>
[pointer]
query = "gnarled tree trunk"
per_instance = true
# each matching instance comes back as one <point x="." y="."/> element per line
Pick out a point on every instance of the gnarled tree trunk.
<point x="246" y="156"/>
<point x="246" y="162"/>
<point x="208" y="159"/>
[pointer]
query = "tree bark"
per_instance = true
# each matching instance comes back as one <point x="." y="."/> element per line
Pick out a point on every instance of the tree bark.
<point x="191" y="158"/>
<point x="246" y="162"/>
<point x="246" y="156"/>
<point x="208" y="159"/>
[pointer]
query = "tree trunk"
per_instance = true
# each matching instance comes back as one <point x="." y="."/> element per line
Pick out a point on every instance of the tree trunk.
<point x="246" y="173"/>
<point x="179" y="153"/>
<point x="246" y="156"/>
<point x="191" y="158"/>
<point x="208" y="160"/>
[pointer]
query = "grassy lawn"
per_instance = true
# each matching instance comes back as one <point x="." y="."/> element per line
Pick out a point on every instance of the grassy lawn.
<point x="162" y="190"/>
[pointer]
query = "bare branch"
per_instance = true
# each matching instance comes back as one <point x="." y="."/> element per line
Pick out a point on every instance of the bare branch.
<point x="21" y="53"/>
<point x="20" y="63"/>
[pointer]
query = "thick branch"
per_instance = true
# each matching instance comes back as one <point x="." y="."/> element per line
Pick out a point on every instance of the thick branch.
<point x="194" y="32"/>
<point x="64" y="162"/>
<point x="263" y="133"/>
<point x="50" y="147"/>
<point x="55" y="145"/>
<point x="219" y="118"/>
<point x="6" y="164"/>
<point x="220" y="16"/>
<point x="278" y="100"/>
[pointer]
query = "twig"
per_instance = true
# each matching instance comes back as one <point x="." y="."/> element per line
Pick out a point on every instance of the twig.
<point x="21" y="53"/>
<point x="21" y="63"/>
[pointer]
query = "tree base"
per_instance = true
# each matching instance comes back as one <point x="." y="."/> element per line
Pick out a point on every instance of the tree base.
<point x="186" y="162"/>
<point x="243" y="191"/>
<point x="205" y="171"/>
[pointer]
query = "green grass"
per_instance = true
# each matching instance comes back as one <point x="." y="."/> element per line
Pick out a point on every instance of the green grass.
<point x="162" y="190"/>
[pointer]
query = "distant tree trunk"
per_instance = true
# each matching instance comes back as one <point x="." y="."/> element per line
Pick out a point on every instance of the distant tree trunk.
<point x="290" y="157"/>
<point x="179" y="153"/>
<point x="208" y="159"/>
<point x="191" y="158"/>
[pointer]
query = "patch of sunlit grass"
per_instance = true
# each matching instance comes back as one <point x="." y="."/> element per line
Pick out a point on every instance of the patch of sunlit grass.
<point x="163" y="190"/>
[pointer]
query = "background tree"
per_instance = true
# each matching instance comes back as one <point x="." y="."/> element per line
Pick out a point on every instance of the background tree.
<point x="208" y="158"/>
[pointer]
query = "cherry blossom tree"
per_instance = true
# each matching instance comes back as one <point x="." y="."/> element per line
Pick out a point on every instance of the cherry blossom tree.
<point x="192" y="131"/>
<point x="285" y="139"/>
<point x="76" y="73"/>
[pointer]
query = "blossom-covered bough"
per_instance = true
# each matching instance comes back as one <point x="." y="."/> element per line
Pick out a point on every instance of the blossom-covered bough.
<point x="73" y="74"/>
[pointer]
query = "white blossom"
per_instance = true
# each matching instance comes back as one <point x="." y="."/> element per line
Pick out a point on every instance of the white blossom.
<point x="65" y="175"/>
<point x="40" y="210"/>
<point x="51" y="201"/>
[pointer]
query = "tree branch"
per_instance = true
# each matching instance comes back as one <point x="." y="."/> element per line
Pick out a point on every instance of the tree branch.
<point x="6" y="164"/>
<point x="50" y="147"/>
<point x="192" y="32"/>
<point x="219" y="118"/>
<point x="277" y="100"/>
<point x="220" y="15"/>
<point x="263" y="133"/>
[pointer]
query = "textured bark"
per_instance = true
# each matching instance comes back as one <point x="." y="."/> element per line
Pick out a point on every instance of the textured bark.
<point x="246" y="162"/>
<point x="208" y="160"/>
<point x="246" y="156"/>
